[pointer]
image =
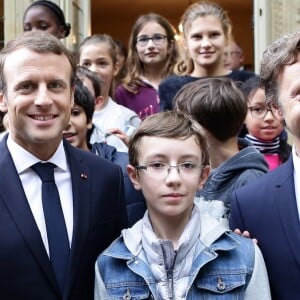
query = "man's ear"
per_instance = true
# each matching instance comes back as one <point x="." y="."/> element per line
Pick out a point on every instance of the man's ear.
<point x="3" y="102"/>
<point x="134" y="177"/>
<point x="204" y="174"/>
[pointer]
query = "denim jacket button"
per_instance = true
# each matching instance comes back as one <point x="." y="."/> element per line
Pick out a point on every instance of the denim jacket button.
<point x="221" y="285"/>
<point x="127" y="295"/>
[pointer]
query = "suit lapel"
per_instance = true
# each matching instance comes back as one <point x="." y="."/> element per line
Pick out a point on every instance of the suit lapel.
<point x="13" y="196"/>
<point x="81" y="207"/>
<point x="285" y="200"/>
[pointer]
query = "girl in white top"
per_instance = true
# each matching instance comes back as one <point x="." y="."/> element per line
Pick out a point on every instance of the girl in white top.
<point x="114" y="123"/>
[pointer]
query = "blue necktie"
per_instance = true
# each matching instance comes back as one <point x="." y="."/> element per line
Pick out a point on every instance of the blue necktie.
<point x="55" y="223"/>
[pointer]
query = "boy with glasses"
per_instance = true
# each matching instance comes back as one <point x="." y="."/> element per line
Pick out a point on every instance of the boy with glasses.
<point x="175" y="251"/>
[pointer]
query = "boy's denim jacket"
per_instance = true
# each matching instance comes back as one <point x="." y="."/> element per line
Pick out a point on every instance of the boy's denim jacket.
<point x="221" y="270"/>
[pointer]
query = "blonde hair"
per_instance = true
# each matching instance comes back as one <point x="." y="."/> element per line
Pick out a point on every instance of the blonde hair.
<point x="201" y="9"/>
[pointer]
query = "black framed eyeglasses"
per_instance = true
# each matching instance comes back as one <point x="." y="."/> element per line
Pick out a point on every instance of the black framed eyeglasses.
<point x="157" y="39"/>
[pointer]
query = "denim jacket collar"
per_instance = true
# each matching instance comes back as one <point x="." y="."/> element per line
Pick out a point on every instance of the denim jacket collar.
<point x="214" y="236"/>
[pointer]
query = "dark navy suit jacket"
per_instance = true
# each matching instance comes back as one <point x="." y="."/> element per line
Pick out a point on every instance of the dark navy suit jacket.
<point x="267" y="209"/>
<point x="135" y="201"/>
<point x="99" y="216"/>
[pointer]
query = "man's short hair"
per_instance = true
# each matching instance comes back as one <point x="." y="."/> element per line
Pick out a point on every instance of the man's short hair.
<point x="216" y="103"/>
<point x="39" y="42"/>
<point x="171" y="125"/>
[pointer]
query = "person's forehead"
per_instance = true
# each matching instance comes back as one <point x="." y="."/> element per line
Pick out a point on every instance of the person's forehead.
<point x="257" y="96"/>
<point x="23" y="60"/>
<point x="203" y="23"/>
<point x="233" y="46"/>
<point x="169" y="147"/>
<point x="40" y="11"/>
<point x="151" y="27"/>
<point x="290" y="72"/>
<point x="24" y="53"/>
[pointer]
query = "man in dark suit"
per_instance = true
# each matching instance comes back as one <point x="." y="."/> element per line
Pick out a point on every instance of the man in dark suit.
<point x="37" y="75"/>
<point x="269" y="207"/>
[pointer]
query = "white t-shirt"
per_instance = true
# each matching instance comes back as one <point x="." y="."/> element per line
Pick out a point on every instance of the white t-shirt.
<point x="296" y="161"/>
<point x="113" y="115"/>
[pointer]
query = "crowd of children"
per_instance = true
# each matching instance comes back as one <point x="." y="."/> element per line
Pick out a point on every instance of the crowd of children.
<point x="186" y="130"/>
<point x="144" y="78"/>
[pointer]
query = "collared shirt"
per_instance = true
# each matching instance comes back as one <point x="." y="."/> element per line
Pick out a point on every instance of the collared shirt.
<point x="32" y="185"/>
<point x="296" y="160"/>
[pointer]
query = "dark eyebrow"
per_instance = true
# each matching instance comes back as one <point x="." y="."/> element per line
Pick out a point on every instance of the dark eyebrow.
<point x="142" y="36"/>
<point x="21" y="83"/>
<point x="57" y="80"/>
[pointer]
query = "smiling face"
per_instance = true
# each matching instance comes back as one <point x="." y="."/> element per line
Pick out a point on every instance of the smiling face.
<point x="289" y="97"/>
<point x="205" y="41"/>
<point x="266" y="128"/>
<point x="41" y="18"/>
<point x="77" y="128"/>
<point x="169" y="196"/>
<point x="97" y="58"/>
<point x="151" y="53"/>
<point x="39" y="98"/>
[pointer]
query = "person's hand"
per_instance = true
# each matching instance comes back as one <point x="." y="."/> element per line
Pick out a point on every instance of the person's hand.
<point x="120" y="134"/>
<point x="245" y="234"/>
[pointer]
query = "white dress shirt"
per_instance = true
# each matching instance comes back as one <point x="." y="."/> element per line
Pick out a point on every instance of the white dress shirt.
<point x="32" y="185"/>
<point x="296" y="161"/>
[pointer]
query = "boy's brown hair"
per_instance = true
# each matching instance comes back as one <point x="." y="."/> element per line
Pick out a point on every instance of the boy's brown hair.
<point x="216" y="103"/>
<point x="172" y="125"/>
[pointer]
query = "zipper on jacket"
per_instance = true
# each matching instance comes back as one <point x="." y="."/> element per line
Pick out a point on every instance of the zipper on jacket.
<point x="169" y="261"/>
<point x="170" y="284"/>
